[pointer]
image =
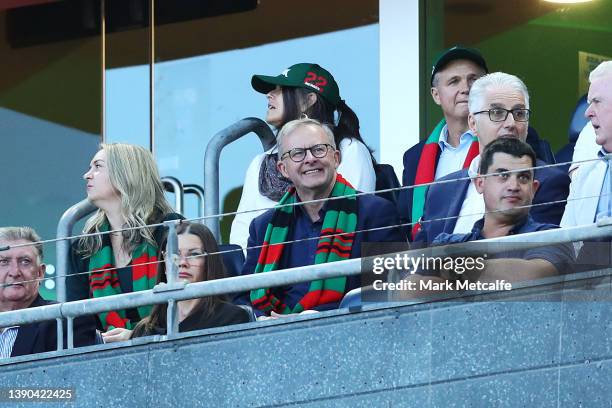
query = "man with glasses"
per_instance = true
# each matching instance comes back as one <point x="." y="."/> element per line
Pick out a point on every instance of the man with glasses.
<point x="318" y="220"/>
<point x="499" y="107"/>
<point x="21" y="271"/>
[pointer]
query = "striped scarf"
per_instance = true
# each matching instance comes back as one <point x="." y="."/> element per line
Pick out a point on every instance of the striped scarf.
<point x="340" y="218"/>
<point x="104" y="280"/>
<point x="426" y="172"/>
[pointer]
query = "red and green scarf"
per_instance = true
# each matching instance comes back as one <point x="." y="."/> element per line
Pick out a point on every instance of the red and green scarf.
<point x="426" y="172"/>
<point x="104" y="280"/>
<point x="340" y="218"/>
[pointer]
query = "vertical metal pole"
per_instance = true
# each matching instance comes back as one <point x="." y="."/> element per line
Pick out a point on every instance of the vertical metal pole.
<point x="171" y="318"/>
<point x="171" y="276"/>
<point x="103" y="34"/>
<point x="70" y="322"/>
<point x="152" y="76"/>
<point x="60" y="334"/>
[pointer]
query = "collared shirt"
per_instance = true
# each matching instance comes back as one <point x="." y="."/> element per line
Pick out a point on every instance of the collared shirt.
<point x="7" y="340"/>
<point x="473" y="206"/>
<point x="562" y="256"/>
<point x="604" y="205"/>
<point x="452" y="158"/>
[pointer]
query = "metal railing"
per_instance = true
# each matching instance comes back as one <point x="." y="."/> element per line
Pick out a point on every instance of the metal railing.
<point x="174" y="185"/>
<point x="175" y="291"/>
<point x="211" y="162"/>
<point x="199" y="193"/>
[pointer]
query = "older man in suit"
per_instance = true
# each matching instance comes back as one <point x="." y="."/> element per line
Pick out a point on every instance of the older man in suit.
<point x="21" y="270"/>
<point x="589" y="197"/>
<point x="499" y="107"/>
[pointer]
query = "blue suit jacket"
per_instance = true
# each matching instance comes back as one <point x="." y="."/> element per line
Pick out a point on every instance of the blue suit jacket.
<point x="411" y="161"/>
<point x="445" y="200"/>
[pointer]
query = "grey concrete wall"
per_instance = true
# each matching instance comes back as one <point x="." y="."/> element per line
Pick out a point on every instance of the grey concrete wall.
<point x="549" y="351"/>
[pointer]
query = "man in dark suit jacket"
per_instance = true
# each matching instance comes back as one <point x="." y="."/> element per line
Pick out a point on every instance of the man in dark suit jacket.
<point x="450" y="145"/>
<point x="499" y="107"/>
<point x="21" y="270"/>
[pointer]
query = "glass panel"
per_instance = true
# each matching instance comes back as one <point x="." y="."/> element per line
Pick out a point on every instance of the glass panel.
<point x="50" y="113"/>
<point x="203" y="85"/>
<point x="541" y="42"/>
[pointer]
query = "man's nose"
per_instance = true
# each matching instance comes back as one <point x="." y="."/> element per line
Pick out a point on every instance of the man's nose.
<point x="588" y="113"/>
<point x="513" y="182"/>
<point x="510" y="122"/>
<point x="87" y="175"/>
<point x="13" y="268"/>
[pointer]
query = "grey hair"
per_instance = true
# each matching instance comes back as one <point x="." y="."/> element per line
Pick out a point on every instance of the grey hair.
<point x="291" y="126"/>
<point x="603" y="69"/>
<point x="494" y="80"/>
<point x="23" y="234"/>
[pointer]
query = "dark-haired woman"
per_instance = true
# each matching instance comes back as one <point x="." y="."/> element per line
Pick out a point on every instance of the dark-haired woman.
<point x="301" y="90"/>
<point x="195" y="264"/>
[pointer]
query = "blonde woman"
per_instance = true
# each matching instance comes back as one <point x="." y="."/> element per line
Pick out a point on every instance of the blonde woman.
<point x="124" y="183"/>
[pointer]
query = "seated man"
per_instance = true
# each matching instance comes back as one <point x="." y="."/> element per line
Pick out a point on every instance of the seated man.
<point x="499" y="107"/>
<point x="313" y="233"/>
<point x="507" y="194"/>
<point x="451" y="145"/>
<point x="589" y="197"/>
<point x="21" y="269"/>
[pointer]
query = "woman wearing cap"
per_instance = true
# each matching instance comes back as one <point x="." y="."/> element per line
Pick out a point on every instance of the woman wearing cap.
<point x="302" y="89"/>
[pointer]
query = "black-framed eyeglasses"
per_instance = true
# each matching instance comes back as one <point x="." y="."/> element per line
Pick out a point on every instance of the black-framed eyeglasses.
<point x="500" y="114"/>
<point x="299" y="153"/>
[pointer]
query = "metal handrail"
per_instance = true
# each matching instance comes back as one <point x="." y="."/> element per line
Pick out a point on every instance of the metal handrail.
<point x="174" y="185"/>
<point x="160" y="294"/>
<point x="199" y="193"/>
<point x="62" y="254"/>
<point x="211" y="162"/>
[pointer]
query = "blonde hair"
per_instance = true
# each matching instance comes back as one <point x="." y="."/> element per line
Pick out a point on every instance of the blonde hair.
<point x="133" y="173"/>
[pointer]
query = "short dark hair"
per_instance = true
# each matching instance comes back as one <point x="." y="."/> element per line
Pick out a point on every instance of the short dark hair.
<point x="509" y="145"/>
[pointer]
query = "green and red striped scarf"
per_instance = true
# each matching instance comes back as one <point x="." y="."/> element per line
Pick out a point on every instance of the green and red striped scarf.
<point x="340" y="218"/>
<point x="104" y="280"/>
<point x="426" y="172"/>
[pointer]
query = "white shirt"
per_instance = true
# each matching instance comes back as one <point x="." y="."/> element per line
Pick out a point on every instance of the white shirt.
<point x="586" y="148"/>
<point x="473" y="207"/>
<point x="452" y="158"/>
<point x="7" y="340"/>
<point x="355" y="166"/>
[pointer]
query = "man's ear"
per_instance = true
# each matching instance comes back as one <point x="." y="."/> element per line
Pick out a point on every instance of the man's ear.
<point x="536" y="185"/>
<point x="472" y="124"/>
<point x="41" y="271"/>
<point x="281" y="167"/>
<point x="435" y="95"/>
<point x="479" y="183"/>
<point x="338" y="157"/>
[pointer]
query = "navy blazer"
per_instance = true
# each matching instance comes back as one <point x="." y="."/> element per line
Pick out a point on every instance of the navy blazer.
<point x="411" y="161"/>
<point x="42" y="336"/>
<point x="372" y="212"/>
<point x="445" y="200"/>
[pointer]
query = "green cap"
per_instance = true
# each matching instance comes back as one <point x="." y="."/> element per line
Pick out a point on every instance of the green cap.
<point x="303" y="75"/>
<point x="458" y="52"/>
